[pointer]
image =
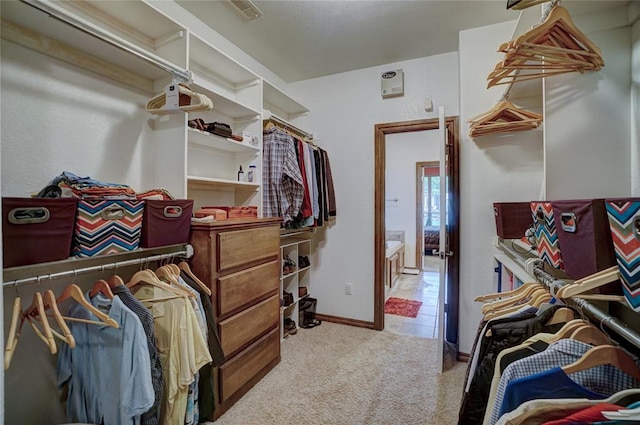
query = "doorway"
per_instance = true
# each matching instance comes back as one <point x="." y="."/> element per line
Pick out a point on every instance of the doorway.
<point x="452" y="172"/>
<point x="427" y="211"/>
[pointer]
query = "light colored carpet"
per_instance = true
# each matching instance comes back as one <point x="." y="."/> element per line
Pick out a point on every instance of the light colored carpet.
<point x="336" y="374"/>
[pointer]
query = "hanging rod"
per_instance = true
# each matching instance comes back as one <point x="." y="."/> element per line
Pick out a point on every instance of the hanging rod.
<point x="613" y="323"/>
<point x="87" y="27"/>
<point x="186" y="251"/>
<point x="277" y="120"/>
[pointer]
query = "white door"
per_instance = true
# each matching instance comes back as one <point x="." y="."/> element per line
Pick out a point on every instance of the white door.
<point x="443" y="254"/>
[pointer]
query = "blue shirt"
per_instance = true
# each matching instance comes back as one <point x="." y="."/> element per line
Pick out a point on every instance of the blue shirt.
<point x="553" y="383"/>
<point x="108" y="372"/>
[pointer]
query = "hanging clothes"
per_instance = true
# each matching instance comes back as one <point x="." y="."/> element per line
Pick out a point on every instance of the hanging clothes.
<point x="108" y="373"/>
<point x="206" y="386"/>
<point x="183" y="350"/>
<point x="282" y="181"/>
<point x="152" y="416"/>
<point x="313" y="179"/>
<point x="331" y="196"/>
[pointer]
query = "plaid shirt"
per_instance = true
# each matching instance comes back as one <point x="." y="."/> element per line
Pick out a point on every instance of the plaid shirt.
<point x="604" y="380"/>
<point x="283" y="191"/>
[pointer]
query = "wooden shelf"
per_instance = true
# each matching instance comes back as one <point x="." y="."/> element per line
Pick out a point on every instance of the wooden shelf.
<point x="207" y="183"/>
<point x="215" y="142"/>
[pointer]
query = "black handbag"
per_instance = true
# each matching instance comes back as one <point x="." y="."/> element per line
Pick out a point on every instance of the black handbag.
<point x="307" y="313"/>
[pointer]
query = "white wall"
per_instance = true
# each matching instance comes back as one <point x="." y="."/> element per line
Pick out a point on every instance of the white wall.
<point x="345" y="109"/>
<point x="587" y="124"/>
<point x="635" y="109"/>
<point x="58" y="118"/>
<point x="180" y="14"/>
<point x="403" y="150"/>
<point x="492" y="169"/>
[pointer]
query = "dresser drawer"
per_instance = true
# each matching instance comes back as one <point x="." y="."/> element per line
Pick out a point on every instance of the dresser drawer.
<point x="240" y="369"/>
<point x="241" y="329"/>
<point x="243" y="288"/>
<point x="239" y="247"/>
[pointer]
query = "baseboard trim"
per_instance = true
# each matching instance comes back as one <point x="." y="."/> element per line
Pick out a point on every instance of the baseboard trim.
<point x="463" y="357"/>
<point x="345" y="321"/>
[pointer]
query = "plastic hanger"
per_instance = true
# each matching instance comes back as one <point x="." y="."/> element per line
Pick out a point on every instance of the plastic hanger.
<point x="603" y="355"/>
<point x="589" y="334"/>
<point x="588" y="283"/>
<point x="156" y="104"/>
<point x="73" y="291"/>
<point x="14" y="332"/>
<point x="101" y="287"/>
<point x="37" y="309"/>
<point x="184" y="266"/>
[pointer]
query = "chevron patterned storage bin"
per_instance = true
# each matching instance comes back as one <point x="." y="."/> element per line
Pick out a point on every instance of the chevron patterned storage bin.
<point x="624" y="222"/>
<point x="545" y="233"/>
<point x="107" y="226"/>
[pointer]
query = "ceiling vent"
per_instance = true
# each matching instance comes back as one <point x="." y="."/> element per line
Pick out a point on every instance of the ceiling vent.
<point x="246" y="8"/>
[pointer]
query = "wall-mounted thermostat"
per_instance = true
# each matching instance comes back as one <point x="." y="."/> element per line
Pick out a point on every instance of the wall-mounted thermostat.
<point x="393" y="83"/>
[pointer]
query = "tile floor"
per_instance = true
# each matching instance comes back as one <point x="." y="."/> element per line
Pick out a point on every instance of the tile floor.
<point x="423" y="287"/>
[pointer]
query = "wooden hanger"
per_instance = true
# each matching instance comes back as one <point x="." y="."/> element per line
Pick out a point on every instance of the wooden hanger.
<point x="589" y="283"/>
<point x="518" y="297"/>
<point x="74" y="292"/>
<point x="166" y="274"/>
<point x="589" y="334"/>
<point x="101" y="287"/>
<point x="184" y="266"/>
<point x="504" y="117"/>
<point x="603" y="355"/>
<point x="556" y="46"/>
<point x="561" y="315"/>
<point x="174" y="268"/>
<point x="50" y="303"/>
<point x="14" y="332"/>
<point x="37" y="309"/>
<point x="147" y="277"/>
<point x="568" y="328"/>
<point x="115" y="280"/>
<point x="506" y="294"/>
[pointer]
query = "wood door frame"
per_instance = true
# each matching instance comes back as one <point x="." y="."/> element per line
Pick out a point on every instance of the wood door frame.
<point x="381" y="130"/>
<point x="420" y="210"/>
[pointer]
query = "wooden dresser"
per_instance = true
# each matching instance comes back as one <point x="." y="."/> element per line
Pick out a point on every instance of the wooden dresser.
<point x="240" y="261"/>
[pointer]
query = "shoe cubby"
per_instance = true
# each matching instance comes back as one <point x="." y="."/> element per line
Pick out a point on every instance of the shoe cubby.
<point x="294" y="274"/>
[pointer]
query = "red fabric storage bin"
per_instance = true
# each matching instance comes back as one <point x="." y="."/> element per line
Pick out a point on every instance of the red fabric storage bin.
<point x="37" y="230"/>
<point x="584" y="236"/>
<point x="166" y="222"/>
<point x="512" y="219"/>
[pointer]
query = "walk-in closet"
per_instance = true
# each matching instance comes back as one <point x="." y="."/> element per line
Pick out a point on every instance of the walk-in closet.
<point x="212" y="212"/>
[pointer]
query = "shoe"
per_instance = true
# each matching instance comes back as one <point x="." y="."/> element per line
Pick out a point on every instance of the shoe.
<point x="302" y="291"/>
<point x="290" y="327"/>
<point x="287" y="298"/>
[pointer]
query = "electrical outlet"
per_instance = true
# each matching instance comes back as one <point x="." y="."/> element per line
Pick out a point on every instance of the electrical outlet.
<point x="348" y="288"/>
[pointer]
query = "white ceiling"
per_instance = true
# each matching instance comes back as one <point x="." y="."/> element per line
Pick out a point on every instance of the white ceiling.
<point x="304" y="39"/>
